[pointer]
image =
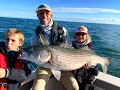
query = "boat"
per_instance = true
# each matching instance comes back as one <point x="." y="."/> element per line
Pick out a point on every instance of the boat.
<point x="107" y="82"/>
<point x="102" y="82"/>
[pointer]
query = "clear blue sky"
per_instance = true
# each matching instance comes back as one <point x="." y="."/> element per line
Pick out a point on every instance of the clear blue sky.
<point x="101" y="11"/>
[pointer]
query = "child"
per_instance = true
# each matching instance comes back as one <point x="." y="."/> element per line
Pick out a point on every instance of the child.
<point x="11" y="69"/>
<point x="82" y="40"/>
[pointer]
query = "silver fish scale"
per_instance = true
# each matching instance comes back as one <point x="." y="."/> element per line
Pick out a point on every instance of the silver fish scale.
<point x="69" y="58"/>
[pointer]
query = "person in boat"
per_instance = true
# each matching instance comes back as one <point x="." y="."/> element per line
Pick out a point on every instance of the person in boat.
<point x="82" y="41"/>
<point x="12" y="71"/>
<point x="49" y="32"/>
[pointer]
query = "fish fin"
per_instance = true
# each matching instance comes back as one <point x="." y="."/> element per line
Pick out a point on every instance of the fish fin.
<point x="105" y="66"/>
<point x="53" y="63"/>
<point x="57" y="74"/>
<point x="30" y="78"/>
<point x="49" y="57"/>
<point x="45" y="58"/>
<point x="109" y="60"/>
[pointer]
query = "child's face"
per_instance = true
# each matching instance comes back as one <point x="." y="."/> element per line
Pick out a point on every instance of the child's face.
<point x="81" y="37"/>
<point x="12" y="42"/>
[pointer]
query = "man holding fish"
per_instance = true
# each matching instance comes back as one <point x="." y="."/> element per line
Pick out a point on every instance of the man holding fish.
<point x="49" y="33"/>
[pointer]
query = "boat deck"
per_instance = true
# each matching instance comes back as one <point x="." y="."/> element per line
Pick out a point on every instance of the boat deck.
<point x="103" y="82"/>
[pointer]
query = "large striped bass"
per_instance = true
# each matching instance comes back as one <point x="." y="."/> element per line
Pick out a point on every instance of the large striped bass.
<point x="59" y="59"/>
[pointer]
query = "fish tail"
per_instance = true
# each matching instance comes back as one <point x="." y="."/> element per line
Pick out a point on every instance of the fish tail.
<point x="109" y="60"/>
<point x="105" y="66"/>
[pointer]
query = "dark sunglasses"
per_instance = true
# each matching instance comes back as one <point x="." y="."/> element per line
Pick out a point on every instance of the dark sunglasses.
<point x="80" y="34"/>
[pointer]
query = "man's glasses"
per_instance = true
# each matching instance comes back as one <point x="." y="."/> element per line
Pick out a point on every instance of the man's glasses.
<point x="44" y="12"/>
<point x="80" y="34"/>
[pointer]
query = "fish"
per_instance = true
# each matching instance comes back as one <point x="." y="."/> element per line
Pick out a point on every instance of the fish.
<point x="58" y="58"/>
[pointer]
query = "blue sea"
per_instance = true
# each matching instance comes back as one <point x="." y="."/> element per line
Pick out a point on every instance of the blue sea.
<point x="105" y="37"/>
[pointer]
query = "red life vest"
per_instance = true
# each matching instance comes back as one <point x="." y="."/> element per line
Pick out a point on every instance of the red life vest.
<point x="3" y="63"/>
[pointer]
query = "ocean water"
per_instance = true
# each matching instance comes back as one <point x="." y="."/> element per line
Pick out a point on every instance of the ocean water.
<point x="105" y="37"/>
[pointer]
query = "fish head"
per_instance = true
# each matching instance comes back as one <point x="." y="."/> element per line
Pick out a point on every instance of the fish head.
<point x="36" y="54"/>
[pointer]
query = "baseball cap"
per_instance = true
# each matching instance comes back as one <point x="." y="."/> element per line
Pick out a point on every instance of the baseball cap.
<point x="81" y="29"/>
<point x="43" y="7"/>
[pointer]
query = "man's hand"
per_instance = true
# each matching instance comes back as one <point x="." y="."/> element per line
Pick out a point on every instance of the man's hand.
<point x="2" y="72"/>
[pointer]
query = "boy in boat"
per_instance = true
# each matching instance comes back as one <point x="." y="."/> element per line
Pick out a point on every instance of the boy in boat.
<point x="12" y="70"/>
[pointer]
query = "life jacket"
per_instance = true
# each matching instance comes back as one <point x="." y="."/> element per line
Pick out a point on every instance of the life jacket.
<point x="82" y="75"/>
<point x="5" y="56"/>
<point x="3" y="59"/>
<point x="78" y="46"/>
<point x="57" y="33"/>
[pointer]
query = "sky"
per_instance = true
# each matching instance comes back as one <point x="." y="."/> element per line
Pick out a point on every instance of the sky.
<point x="92" y="11"/>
